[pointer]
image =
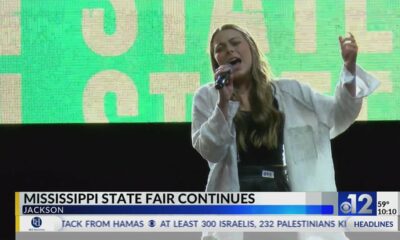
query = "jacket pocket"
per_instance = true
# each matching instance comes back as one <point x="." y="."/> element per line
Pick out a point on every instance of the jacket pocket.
<point x="301" y="144"/>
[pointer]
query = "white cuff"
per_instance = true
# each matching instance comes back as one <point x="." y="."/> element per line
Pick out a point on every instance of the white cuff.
<point x="348" y="77"/>
<point x="365" y="83"/>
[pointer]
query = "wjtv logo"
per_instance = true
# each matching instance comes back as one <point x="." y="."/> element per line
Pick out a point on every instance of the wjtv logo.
<point x="36" y="222"/>
<point x="357" y="203"/>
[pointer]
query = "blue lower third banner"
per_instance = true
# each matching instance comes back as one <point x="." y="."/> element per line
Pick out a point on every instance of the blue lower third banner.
<point x="182" y="209"/>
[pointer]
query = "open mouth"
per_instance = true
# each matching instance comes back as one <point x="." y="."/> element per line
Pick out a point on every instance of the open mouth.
<point x="235" y="61"/>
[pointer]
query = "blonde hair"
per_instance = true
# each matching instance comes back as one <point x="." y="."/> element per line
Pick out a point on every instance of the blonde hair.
<point x="267" y="119"/>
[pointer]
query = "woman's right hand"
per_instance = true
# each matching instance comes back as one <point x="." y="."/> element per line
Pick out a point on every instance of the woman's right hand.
<point x="225" y="93"/>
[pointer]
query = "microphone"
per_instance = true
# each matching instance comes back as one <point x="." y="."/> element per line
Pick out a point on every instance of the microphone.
<point x="222" y="79"/>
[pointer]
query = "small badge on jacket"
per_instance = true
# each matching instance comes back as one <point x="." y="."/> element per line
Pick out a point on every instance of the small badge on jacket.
<point x="267" y="174"/>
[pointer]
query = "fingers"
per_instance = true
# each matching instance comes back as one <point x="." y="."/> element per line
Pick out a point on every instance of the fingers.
<point x="348" y="39"/>
<point x="223" y="69"/>
<point x="347" y="45"/>
<point x="351" y="48"/>
<point x="348" y="42"/>
<point x="341" y="42"/>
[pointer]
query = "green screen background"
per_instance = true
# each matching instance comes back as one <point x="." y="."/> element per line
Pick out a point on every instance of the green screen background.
<point x="55" y="63"/>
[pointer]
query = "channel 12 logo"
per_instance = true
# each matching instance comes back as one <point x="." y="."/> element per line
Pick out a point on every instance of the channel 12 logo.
<point x="357" y="203"/>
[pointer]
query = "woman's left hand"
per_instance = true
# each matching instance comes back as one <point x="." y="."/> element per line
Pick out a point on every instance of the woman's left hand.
<point x="349" y="49"/>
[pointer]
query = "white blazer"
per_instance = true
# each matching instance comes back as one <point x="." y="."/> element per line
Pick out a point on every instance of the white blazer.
<point x="311" y="121"/>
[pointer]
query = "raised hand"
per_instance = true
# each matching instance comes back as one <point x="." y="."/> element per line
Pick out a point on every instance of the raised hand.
<point x="349" y="50"/>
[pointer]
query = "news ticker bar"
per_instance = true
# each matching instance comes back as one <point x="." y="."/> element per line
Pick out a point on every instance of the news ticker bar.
<point x="199" y="211"/>
<point x="198" y="235"/>
<point x="196" y="223"/>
